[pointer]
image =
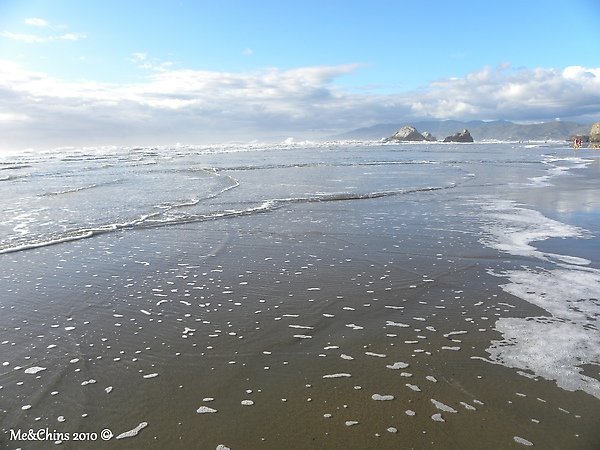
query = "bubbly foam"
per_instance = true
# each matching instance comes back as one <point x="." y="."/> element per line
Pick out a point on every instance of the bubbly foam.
<point x="555" y="345"/>
<point x="134" y="432"/>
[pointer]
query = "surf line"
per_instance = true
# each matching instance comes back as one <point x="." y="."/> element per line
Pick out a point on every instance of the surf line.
<point x="265" y="206"/>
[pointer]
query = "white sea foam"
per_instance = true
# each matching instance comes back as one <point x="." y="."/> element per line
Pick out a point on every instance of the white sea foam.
<point x="397" y="365"/>
<point x="381" y="398"/>
<point x="554" y="346"/>
<point x="389" y="323"/>
<point x="443" y="407"/>
<point x="550" y="348"/>
<point x="134" y="432"/>
<point x="205" y="410"/>
<point x="468" y="406"/>
<point x="557" y="170"/>
<point x="455" y="333"/>
<point x="34" y="370"/>
<point x="565" y="293"/>
<point x="512" y="229"/>
<point x="522" y="441"/>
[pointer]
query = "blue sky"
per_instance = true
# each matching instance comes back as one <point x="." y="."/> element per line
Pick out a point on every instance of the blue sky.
<point x="196" y="71"/>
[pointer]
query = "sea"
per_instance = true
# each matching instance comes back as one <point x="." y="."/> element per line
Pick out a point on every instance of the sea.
<point x="352" y="294"/>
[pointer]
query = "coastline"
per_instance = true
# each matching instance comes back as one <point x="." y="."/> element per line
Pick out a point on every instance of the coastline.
<point x="397" y="292"/>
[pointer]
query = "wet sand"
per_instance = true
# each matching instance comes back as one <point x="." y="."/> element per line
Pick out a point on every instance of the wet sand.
<point x="358" y="324"/>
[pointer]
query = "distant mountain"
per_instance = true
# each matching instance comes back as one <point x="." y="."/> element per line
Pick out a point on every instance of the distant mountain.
<point x="480" y="130"/>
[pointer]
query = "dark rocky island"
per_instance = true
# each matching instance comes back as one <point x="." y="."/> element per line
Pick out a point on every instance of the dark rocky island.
<point x="429" y="137"/>
<point x="406" y="134"/>
<point x="461" y="136"/>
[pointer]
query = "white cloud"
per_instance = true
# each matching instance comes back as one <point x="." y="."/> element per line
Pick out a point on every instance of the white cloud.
<point x="199" y="106"/>
<point x="70" y="37"/>
<point x="31" y="38"/>
<point x="514" y="94"/>
<point x="141" y="60"/>
<point x="23" y="37"/>
<point x="34" y="38"/>
<point x="36" y="22"/>
<point x="12" y="117"/>
<point x="139" y="57"/>
<point x="247" y="52"/>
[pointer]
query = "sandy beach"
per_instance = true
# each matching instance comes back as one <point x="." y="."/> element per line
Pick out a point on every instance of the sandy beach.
<point x="400" y="296"/>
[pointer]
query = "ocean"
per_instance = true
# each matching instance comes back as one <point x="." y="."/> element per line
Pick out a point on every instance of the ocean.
<point x="308" y="295"/>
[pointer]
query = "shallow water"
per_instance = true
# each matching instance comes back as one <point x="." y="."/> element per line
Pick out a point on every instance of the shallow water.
<point x="351" y="296"/>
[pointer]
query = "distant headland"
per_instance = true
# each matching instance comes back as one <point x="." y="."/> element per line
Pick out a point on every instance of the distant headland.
<point x="478" y="130"/>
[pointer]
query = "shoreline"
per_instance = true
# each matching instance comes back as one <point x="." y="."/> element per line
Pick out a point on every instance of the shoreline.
<point x="279" y="306"/>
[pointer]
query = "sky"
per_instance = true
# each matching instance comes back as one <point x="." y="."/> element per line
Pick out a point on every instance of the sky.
<point x="88" y="73"/>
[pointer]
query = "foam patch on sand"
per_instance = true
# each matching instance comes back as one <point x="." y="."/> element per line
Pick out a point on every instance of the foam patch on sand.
<point x="206" y="410"/>
<point x="522" y="441"/>
<point x="556" y="345"/>
<point x="512" y="229"/>
<point x="397" y="365"/>
<point x="558" y="170"/>
<point x="443" y="407"/>
<point x="551" y="349"/>
<point x="134" y="432"/>
<point x="566" y="293"/>
<point x="382" y="398"/>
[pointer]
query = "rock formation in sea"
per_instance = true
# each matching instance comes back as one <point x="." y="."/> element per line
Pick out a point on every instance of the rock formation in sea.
<point x="461" y="136"/>
<point x="406" y="133"/>
<point x="429" y="137"/>
<point x="595" y="134"/>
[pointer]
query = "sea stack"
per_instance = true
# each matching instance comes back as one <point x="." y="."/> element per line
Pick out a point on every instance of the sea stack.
<point x="429" y="137"/>
<point x="406" y="133"/>
<point x="595" y="134"/>
<point x="461" y="136"/>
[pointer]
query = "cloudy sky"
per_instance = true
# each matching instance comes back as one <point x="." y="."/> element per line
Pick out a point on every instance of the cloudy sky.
<point x="116" y="72"/>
